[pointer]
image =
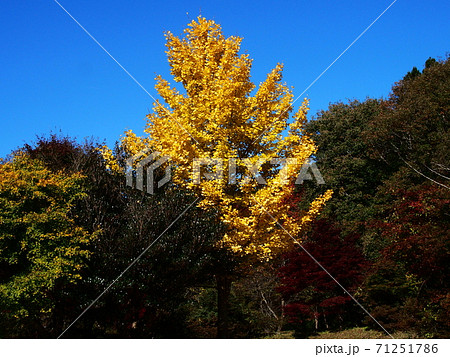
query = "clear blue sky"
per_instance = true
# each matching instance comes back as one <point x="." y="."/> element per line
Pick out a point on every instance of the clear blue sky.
<point x="54" y="77"/>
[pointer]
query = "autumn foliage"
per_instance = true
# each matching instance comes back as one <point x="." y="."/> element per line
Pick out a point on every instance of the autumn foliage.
<point x="310" y="293"/>
<point x="217" y="117"/>
<point x="248" y="259"/>
<point x="41" y="246"/>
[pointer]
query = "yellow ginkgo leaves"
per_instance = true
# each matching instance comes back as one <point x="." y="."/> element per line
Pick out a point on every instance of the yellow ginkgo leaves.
<point x="216" y="114"/>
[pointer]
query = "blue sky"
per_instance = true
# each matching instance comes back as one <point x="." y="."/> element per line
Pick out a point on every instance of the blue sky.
<point x="55" y="78"/>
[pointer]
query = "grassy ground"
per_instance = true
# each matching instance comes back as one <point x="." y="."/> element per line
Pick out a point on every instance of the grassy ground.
<point x="357" y="333"/>
<point x="281" y="335"/>
<point x="362" y="333"/>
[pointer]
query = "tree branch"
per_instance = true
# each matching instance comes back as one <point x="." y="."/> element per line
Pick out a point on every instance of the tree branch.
<point x="437" y="173"/>
<point x="268" y="306"/>
<point x="429" y="178"/>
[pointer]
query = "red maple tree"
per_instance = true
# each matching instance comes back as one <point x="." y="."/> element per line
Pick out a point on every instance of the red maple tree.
<point x="310" y="293"/>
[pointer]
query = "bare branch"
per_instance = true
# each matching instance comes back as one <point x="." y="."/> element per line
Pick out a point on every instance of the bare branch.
<point x="437" y="173"/>
<point x="429" y="178"/>
<point x="268" y="306"/>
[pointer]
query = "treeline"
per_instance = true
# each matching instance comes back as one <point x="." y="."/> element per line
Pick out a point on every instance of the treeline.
<point x="69" y="226"/>
<point x="385" y="233"/>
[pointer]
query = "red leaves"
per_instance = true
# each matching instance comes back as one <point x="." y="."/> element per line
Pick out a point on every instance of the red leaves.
<point x="416" y="226"/>
<point x="308" y="289"/>
<point x="335" y="301"/>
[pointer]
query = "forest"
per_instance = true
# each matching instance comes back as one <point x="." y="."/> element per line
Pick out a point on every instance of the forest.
<point x="85" y="255"/>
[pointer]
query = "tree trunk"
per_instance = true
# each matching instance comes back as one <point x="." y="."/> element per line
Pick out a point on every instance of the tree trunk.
<point x="281" y="320"/>
<point x="316" y="318"/>
<point x="325" y="320"/>
<point x="223" y="294"/>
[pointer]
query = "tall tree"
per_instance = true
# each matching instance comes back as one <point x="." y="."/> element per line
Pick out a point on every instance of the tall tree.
<point x="215" y="117"/>
<point x="309" y="291"/>
<point x="42" y="248"/>
<point x="408" y="286"/>
<point x="380" y="157"/>
<point x="413" y="126"/>
<point x="345" y="161"/>
<point x="149" y="300"/>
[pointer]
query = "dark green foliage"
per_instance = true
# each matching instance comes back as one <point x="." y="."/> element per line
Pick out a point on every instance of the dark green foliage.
<point x="411" y="75"/>
<point x="430" y="62"/>
<point x="413" y="127"/>
<point x="147" y="300"/>
<point x="42" y="248"/>
<point x="388" y="162"/>
<point x="345" y="161"/>
<point x="255" y="306"/>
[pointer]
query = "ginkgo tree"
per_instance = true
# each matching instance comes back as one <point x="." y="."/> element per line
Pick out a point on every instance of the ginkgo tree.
<point x="245" y="135"/>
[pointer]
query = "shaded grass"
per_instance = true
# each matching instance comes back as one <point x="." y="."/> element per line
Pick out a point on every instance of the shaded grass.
<point x="361" y="333"/>
<point x="353" y="333"/>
